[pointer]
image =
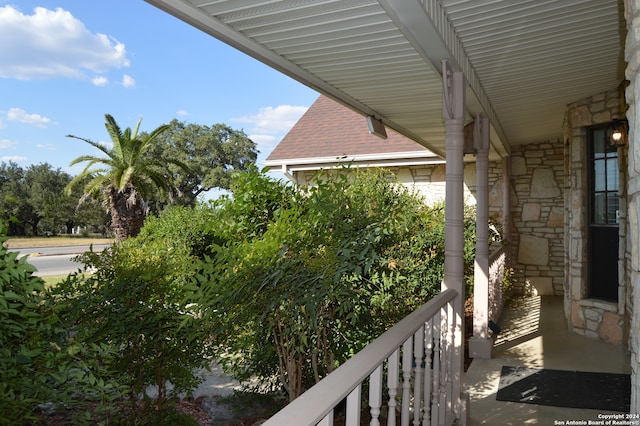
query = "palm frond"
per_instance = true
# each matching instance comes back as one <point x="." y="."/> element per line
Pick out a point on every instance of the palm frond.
<point x="97" y="145"/>
<point x="96" y="186"/>
<point x="125" y="177"/>
<point x="91" y="159"/>
<point x="136" y="129"/>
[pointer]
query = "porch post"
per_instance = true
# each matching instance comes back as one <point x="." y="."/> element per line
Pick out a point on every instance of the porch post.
<point x="480" y="344"/>
<point x="453" y="112"/>
<point x="506" y="200"/>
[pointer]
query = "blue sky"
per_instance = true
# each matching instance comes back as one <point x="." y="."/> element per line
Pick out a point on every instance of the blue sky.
<point x="65" y="64"/>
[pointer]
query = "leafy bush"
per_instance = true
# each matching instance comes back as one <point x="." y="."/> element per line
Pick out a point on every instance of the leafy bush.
<point x="318" y="273"/>
<point x="38" y="372"/>
<point x="255" y="202"/>
<point x="26" y="360"/>
<point x="185" y="229"/>
<point x="142" y="313"/>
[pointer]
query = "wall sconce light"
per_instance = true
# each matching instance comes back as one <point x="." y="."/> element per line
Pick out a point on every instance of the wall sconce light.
<point x="619" y="133"/>
<point x="376" y="127"/>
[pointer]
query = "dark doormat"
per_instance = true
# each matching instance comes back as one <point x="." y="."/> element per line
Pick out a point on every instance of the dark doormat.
<point x="572" y="389"/>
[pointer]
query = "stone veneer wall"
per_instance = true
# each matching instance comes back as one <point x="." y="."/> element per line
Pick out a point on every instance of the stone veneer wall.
<point x="538" y="180"/>
<point x="632" y="55"/>
<point x="589" y="317"/>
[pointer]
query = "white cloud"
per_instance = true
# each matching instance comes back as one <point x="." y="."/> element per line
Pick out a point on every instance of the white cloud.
<point x="271" y="124"/>
<point x="182" y="112"/>
<point x="262" y="139"/>
<point x="21" y="116"/>
<point x="265" y="143"/>
<point x="106" y="144"/>
<point x="100" y="81"/>
<point x="128" y="81"/>
<point x="273" y="120"/>
<point x="47" y="146"/>
<point x="14" y="158"/>
<point x="53" y="43"/>
<point x="6" y="143"/>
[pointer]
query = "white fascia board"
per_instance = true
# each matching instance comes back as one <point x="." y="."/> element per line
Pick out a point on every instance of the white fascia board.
<point x="397" y="159"/>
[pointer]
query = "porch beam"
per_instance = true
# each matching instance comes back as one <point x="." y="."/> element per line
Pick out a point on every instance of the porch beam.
<point x="426" y="25"/>
<point x="453" y="111"/>
<point x="480" y="344"/>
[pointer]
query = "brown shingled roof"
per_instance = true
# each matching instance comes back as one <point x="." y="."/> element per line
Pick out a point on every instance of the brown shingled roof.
<point x="329" y="129"/>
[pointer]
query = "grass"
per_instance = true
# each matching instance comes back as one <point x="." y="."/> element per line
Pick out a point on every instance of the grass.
<point x="53" y="280"/>
<point x="60" y="240"/>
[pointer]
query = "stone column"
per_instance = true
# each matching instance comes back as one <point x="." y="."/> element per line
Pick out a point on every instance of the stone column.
<point x="632" y="55"/>
<point x="480" y="344"/>
<point x="454" y="113"/>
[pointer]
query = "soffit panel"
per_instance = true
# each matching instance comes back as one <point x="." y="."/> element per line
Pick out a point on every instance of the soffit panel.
<point x="353" y="46"/>
<point x="527" y="58"/>
<point x="534" y="57"/>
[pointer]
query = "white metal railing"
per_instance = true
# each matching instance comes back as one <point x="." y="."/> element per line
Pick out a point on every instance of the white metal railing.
<point x="407" y="371"/>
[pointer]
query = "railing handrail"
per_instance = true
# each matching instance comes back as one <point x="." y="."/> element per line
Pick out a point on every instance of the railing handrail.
<point x="314" y="404"/>
<point x="496" y="253"/>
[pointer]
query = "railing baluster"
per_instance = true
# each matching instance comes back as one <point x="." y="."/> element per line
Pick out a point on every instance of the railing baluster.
<point x="327" y="420"/>
<point x="392" y="386"/>
<point x="451" y="321"/>
<point x="435" y="411"/>
<point x="354" y="405"/>
<point x="444" y="364"/>
<point x="428" y="346"/>
<point x="407" y="359"/>
<point x="375" y="395"/>
<point x="418" y="354"/>
<point x="428" y="330"/>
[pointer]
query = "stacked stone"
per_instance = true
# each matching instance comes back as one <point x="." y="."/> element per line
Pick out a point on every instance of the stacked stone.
<point x="632" y="55"/>
<point x="592" y="318"/>
<point x="537" y="176"/>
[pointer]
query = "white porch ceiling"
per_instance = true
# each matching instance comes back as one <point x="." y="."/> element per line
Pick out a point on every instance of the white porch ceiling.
<point x="523" y="60"/>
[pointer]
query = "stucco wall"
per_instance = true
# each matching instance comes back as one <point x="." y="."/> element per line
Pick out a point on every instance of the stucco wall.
<point x="429" y="180"/>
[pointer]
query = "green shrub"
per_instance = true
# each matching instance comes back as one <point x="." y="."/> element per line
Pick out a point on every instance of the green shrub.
<point x="25" y="359"/>
<point x="185" y="229"/>
<point x="255" y="202"/>
<point x="141" y="311"/>
<point x="319" y="273"/>
<point x="37" y="369"/>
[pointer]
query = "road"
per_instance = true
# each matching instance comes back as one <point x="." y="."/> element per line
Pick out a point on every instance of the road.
<point x="56" y="260"/>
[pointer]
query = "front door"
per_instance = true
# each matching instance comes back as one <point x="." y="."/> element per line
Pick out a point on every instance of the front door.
<point x="604" y="216"/>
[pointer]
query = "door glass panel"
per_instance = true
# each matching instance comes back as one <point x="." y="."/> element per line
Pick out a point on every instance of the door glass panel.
<point x="599" y="176"/>
<point x="613" y="208"/>
<point x="599" y="209"/>
<point x="604" y="216"/>
<point x="599" y="147"/>
<point x="612" y="174"/>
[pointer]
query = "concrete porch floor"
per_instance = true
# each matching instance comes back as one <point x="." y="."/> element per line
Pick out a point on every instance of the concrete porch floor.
<point x="534" y="334"/>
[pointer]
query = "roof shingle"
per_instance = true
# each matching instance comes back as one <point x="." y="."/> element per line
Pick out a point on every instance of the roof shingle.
<point x="328" y="129"/>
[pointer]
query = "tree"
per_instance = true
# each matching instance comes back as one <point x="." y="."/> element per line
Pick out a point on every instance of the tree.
<point x="127" y="175"/>
<point x="211" y="153"/>
<point x="46" y="198"/>
<point x="33" y="199"/>
<point x="13" y="198"/>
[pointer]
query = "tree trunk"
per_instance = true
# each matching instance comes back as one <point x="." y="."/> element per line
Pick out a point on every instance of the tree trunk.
<point x="127" y="212"/>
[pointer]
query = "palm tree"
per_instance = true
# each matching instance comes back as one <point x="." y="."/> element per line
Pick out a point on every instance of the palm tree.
<point x="125" y="177"/>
